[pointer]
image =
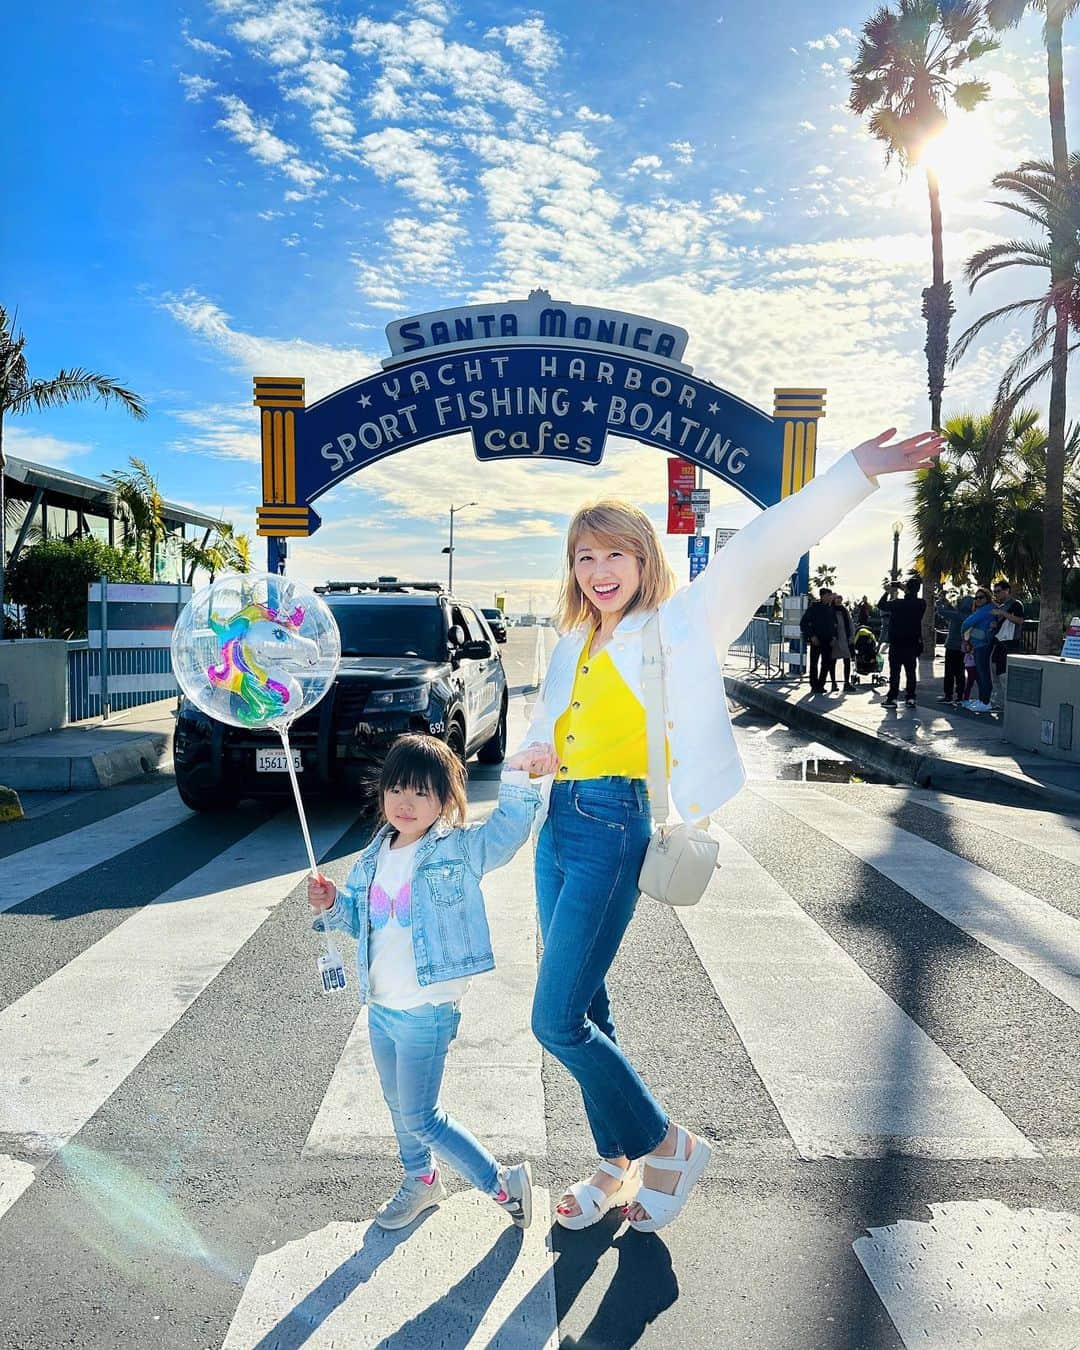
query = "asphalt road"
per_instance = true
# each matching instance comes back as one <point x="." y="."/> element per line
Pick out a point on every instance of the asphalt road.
<point x="873" y="1015"/>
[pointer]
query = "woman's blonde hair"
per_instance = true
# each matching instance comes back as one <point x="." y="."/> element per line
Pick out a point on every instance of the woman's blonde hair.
<point x="623" y="526"/>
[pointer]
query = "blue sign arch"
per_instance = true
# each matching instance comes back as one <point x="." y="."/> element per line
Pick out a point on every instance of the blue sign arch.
<point x="525" y="395"/>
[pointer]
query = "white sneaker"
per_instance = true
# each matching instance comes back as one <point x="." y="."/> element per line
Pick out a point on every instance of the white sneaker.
<point x="413" y="1197"/>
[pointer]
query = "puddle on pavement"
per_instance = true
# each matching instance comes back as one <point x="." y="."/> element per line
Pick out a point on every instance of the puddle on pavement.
<point x="831" y="771"/>
<point x="773" y="751"/>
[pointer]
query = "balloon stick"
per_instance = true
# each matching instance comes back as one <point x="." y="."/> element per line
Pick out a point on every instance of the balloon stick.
<point x="331" y="966"/>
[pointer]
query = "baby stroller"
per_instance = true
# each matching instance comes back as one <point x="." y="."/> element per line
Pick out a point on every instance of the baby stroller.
<point x="869" y="658"/>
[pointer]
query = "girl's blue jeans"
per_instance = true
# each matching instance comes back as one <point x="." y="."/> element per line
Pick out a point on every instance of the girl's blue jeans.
<point x="409" y="1047"/>
<point x="588" y="858"/>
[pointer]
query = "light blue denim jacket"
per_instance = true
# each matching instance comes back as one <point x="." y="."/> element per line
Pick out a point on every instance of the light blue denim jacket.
<point x="450" y="935"/>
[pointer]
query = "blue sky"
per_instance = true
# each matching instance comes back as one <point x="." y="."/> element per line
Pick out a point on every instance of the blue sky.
<point x="204" y="192"/>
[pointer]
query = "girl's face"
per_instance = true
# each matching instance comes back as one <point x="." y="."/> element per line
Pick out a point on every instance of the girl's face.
<point x="411" y="811"/>
<point x="608" y="576"/>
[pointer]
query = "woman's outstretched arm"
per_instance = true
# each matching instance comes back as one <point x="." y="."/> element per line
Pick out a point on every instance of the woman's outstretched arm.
<point x="766" y="551"/>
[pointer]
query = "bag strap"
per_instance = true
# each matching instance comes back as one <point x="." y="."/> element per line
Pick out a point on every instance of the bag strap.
<point x="652" y="688"/>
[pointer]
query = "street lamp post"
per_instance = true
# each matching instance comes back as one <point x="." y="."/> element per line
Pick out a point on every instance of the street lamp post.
<point x="897" y="530"/>
<point x="453" y="511"/>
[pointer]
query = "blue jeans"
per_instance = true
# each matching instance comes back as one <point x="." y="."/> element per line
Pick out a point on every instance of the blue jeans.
<point x="982" y="671"/>
<point x="409" y="1047"/>
<point x="588" y="858"/>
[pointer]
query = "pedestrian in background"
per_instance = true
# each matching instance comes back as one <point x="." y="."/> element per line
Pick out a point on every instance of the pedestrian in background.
<point x="1009" y="623"/>
<point x="905" y="639"/>
<point x="864" y="612"/>
<point x="818" y="625"/>
<point x="953" y="691"/>
<point x="978" y="628"/>
<point x="841" y="643"/>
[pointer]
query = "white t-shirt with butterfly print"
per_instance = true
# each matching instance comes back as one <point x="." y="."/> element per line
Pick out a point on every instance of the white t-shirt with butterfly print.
<point x="391" y="964"/>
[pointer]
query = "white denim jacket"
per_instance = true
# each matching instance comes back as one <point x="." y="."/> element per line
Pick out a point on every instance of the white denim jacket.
<point x="697" y="625"/>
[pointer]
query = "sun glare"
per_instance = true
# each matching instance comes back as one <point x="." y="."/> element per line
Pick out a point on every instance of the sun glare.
<point x="963" y="156"/>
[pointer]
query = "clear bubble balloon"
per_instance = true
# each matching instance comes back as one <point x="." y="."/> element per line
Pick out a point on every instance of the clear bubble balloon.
<point x="256" y="650"/>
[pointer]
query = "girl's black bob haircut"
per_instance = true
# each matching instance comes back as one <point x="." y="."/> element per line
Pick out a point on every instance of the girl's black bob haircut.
<point x="422" y="763"/>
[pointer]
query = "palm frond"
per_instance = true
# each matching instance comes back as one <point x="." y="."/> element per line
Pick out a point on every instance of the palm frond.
<point x="75" y="386"/>
<point x="964" y="341"/>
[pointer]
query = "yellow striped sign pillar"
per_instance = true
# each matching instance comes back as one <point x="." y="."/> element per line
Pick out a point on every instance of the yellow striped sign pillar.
<point x="798" y="412"/>
<point x="281" y="516"/>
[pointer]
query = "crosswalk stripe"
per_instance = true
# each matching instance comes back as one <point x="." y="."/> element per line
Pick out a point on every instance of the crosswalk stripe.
<point x="42" y="866"/>
<point x="493" y="1081"/>
<point x="459" y="1277"/>
<point x="72" y="1040"/>
<point x="1046" y="831"/>
<point x="850" y="1074"/>
<point x="1031" y="935"/>
<point x="979" y="1276"/>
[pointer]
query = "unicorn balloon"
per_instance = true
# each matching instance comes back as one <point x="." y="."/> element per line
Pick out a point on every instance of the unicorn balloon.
<point x="256" y="650"/>
<point x="259" y="649"/>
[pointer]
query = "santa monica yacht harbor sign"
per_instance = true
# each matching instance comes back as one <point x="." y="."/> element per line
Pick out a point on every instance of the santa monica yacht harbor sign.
<point x="530" y="379"/>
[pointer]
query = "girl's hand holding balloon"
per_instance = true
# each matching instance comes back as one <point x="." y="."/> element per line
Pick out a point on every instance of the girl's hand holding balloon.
<point x="321" y="893"/>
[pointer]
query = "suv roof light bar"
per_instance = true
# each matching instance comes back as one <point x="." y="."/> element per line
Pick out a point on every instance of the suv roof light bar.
<point x="381" y="585"/>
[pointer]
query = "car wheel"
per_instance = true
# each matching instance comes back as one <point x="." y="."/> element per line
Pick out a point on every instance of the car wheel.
<point x="494" y="750"/>
<point x="455" y="739"/>
<point x="206" y="799"/>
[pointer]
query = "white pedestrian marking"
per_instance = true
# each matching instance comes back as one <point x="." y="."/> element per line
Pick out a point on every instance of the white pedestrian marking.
<point x="36" y="869"/>
<point x="979" y="1276"/>
<point x="1035" y="937"/>
<point x="492" y="1082"/>
<point x="461" y="1276"/>
<point x="71" y="1041"/>
<point x="15" y="1177"/>
<point x="850" y="1074"/>
<point x="1049" y="831"/>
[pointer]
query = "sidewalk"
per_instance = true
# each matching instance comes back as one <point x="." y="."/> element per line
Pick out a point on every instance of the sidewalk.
<point x="929" y="745"/>
<point x="92" y="754"/>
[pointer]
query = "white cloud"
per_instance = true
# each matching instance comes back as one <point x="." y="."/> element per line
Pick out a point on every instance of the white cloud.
<point x="196" y="86"/>
<point x="39" y="448"/>
<point x="532" y="42"/>
<point x="285" y="33"/>
<point x="684" y="151"/>
<point x="222" y="431"/>
<point x="257" y="137"/>
<point x="203" y="47"/>
<point x="644" y="164"/>
<point x="586" y="114"/>
<point x="807" y="126"/>
<point x="407" y="158"/>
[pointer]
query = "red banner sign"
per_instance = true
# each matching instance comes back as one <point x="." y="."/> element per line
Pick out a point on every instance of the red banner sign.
<point x="682" y="480"/>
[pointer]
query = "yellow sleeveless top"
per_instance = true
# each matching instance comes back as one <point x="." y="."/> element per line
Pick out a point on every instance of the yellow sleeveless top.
<point x="602" y="732"/>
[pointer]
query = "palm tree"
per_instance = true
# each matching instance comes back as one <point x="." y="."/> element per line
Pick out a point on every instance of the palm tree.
<point x="982" y="504"/>
<point x="1052" y="201"/>
<point x="227" y="551"/>
<point x="1007" y="14"/>
<point x="143" y="508"/>
<point x="19" y="393"/>
<point x="905" y="76"/>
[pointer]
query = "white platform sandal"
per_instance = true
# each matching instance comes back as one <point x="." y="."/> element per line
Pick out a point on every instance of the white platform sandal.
<point x="662" y="1208"/>
<point x="593" y="1203"/>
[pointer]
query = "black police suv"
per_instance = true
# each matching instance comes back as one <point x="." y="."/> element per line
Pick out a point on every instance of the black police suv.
<point x="496" y="623"/>
<point x="413" y="658"/>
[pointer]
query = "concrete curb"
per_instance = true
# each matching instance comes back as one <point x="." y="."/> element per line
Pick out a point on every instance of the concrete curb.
<point x="889" y="757"/>
<point x="97" y="769"/>
<point x="10" y="806"/>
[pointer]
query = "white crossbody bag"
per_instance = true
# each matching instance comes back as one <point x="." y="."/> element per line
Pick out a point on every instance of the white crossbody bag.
<point x="681" y="858"/>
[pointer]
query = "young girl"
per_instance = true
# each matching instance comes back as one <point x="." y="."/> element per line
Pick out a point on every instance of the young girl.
<point x="413" y="902"/>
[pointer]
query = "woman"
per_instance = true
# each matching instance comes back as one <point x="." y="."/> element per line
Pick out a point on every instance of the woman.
<point x="597" y="827"/>
<point x="841" y="643"/>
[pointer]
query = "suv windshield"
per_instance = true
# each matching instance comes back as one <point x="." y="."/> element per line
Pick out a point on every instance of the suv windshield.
<point x="384" y="628"/>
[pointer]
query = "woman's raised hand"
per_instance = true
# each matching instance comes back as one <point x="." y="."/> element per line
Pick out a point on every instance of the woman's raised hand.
<point x="874" y="457"/>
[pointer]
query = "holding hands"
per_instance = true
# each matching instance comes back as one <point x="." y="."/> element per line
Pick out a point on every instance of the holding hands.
<point x="538" y="760"/>
<point x="874" y="457"/>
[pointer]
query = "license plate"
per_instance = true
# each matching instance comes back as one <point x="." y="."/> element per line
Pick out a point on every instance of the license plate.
<point x="274" y="761"/>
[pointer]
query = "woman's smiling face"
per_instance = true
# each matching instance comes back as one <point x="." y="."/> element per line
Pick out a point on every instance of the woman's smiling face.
<point x="609" y="576"/>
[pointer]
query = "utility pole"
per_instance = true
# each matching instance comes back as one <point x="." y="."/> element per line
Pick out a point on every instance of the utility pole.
<point x="453" y="511"/>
